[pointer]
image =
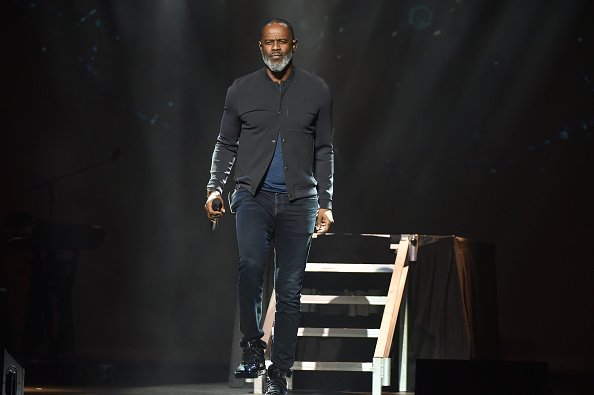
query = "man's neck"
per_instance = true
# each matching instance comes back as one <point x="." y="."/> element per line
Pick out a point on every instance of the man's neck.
<point x="281" y="76"/>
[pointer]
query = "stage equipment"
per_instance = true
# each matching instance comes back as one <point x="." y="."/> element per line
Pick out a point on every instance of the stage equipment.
<point x="49" y="327"/>
<point x="13" y="376"/>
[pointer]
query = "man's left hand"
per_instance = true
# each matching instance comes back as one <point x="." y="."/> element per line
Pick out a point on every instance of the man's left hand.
<point x="324" y="220"/>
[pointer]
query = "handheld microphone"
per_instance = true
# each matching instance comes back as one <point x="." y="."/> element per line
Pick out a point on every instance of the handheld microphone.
<point x="217" y="205"/>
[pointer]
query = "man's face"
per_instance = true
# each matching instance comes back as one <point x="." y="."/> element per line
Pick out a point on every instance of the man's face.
<point x="277" y="46"/>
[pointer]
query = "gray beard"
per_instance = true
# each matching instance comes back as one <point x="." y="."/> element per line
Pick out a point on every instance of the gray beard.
<point x="277" y="66"/>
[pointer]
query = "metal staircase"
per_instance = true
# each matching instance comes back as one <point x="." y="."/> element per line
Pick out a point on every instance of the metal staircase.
<point x="379" y="364"/>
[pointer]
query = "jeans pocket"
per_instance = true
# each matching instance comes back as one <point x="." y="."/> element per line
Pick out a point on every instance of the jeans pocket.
<point x="235" y="198"/>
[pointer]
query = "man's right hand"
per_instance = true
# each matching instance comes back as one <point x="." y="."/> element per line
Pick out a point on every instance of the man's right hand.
<point x="212" y="214"/>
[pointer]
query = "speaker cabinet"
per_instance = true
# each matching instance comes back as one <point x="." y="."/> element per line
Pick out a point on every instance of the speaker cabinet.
<point x="13" y="376"/>
<point x="464" y="377"/>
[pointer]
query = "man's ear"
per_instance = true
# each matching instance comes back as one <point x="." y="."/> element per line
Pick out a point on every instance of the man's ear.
<point x="295" y="45"/>
<point x="260" y="45"/>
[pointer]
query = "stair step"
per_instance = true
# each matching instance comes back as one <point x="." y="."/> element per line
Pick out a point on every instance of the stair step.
<point x="343" y="299"/>
<point x="349" y="267"/>
<point x="334" y="366"/>
<point x="338" y="332"/>
<point x="331" y="366"/>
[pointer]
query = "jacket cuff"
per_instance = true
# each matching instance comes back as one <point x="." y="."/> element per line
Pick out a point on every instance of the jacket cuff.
<point x="211" y="188"/>
<point x="325" y="203"/>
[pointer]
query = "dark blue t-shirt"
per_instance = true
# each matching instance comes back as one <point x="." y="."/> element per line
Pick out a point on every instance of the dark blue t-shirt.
<point x="274" y="180"/>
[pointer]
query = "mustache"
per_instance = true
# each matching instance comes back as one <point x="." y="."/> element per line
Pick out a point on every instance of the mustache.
<point x="274" y="54"/>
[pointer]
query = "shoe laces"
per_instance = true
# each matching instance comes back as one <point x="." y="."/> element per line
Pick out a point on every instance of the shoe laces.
<point x="251" y="354"/>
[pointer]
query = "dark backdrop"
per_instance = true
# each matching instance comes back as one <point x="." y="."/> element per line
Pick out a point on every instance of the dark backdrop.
<point x="471" y="118"/>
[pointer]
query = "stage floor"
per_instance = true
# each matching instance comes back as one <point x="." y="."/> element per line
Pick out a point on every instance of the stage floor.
<point x="187" y="389"/>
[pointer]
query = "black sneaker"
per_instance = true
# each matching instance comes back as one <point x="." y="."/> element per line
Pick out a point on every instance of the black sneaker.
<point x="276" y="381"/>
<point x="252" y="362"/>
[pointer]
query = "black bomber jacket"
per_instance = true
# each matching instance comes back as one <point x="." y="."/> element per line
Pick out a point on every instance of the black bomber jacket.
<point x="256" y="110"/>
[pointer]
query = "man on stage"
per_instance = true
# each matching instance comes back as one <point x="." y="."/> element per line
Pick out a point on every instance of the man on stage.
<point x="277" y="127"/>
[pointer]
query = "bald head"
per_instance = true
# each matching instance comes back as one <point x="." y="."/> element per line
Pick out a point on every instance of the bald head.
<point x="280" y="21"/>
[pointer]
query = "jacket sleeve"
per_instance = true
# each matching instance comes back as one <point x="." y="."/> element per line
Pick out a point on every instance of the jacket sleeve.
<point x="324" y="150"/>
<point x="225" y="149"/>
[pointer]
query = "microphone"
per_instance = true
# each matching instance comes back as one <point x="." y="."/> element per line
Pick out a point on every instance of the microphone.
<point x="217" y="205"/>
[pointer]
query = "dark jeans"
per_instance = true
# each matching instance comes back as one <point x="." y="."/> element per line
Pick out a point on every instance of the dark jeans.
<point x="271" y="219"/>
